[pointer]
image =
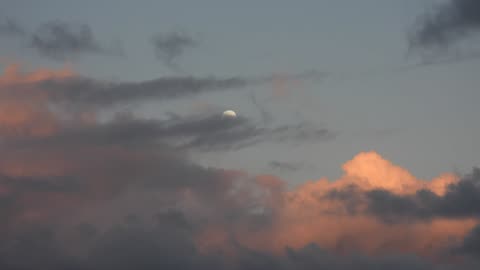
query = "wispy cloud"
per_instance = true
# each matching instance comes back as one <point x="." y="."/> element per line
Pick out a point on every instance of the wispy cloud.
<point x="61" y="40"/>
<point x="11" y="28"/>
<point x="446" y="23"/>
<point x="87" y="92"/>
<point x="171" y="46"/>
<point x="285" y="166"/>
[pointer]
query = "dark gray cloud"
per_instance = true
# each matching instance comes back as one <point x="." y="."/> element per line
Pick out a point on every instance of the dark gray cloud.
<point x="471" y="244"/>
<point x="351" y="196"/>
<point x="40" y="184"/>
<point x="170" y="46"/>
<point x="19" y="186"/>
<point x="92" y="173"/>
<point x="249" y="134"/>
<point x="86" y="92"/>
<point x="62" y="40"/>
<point x="169" y="244"/>
<point x="134" y="132"/>
<point x="90" y="92"/>
<point x="201" y="132"/>
<point x="11" y="28"/>
<point x="462" y="200"/>
<point x="447" y="23"/>
<point x="107" y="169"/>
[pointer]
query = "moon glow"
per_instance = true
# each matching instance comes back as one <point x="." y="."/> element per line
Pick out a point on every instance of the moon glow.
<point x="229" y="114"/>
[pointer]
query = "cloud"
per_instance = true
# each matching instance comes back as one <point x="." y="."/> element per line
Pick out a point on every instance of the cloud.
<point x="249" y="134"/>
<point x="166" y="245"/>
<point x="311" y="214"/>
<point x="67" y="88"/>
<point x="287" y="166"/>
<point x="86" y="91"/>
<point x="170" y="46"/>
<point x="60" y="40"/>
<point x="217" y="211"/>
<point x="11" y="28"/>
<point x="458" y="200"/>
<point x="47" y="102"/>
<point x="461" y="200"/>
<point x="40" y="184"/>
<point x="471" y="244"/>
<point x="266" y="116"/>
<point x="82" y="93"/>
<point x="14" y="75"/>
<point x="27" y="113"/>
<point x="447" y="23"/>
<point x="93" y="190"/>
<point x="205" y="133"/>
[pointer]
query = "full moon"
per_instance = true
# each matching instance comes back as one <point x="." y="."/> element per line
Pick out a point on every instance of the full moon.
<point x="229" y="114"/>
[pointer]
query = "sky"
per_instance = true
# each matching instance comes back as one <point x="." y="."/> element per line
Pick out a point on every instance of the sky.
<point x="354" y="144"/>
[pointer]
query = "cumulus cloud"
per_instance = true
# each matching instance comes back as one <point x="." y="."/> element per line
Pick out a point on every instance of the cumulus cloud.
<point x="460" y="200"/>
<point x="447" y="23"/>
<point x="170" y="46"/>
<point x="447" y="198"/>
<point x="304" y="214"/>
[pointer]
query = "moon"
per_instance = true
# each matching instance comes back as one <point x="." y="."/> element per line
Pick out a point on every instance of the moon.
<point x="229" y="114"/>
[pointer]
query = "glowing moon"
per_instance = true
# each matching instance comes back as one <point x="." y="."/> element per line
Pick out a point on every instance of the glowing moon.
<point x="229" y="114"/>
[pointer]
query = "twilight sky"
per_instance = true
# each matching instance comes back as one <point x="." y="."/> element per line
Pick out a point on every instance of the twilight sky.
<point x="356" y="134"/>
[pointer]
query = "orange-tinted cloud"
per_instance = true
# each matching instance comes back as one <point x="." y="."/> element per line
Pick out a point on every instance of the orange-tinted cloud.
<point x="283" y="85"/>
<point x="266" y="215"/>
<point x="13" y="74"/>
<point x="306" y="215"/>
<point x="24" y="107"/>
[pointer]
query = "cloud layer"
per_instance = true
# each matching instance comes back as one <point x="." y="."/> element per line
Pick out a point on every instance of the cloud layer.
<point x="78" y="192"/>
